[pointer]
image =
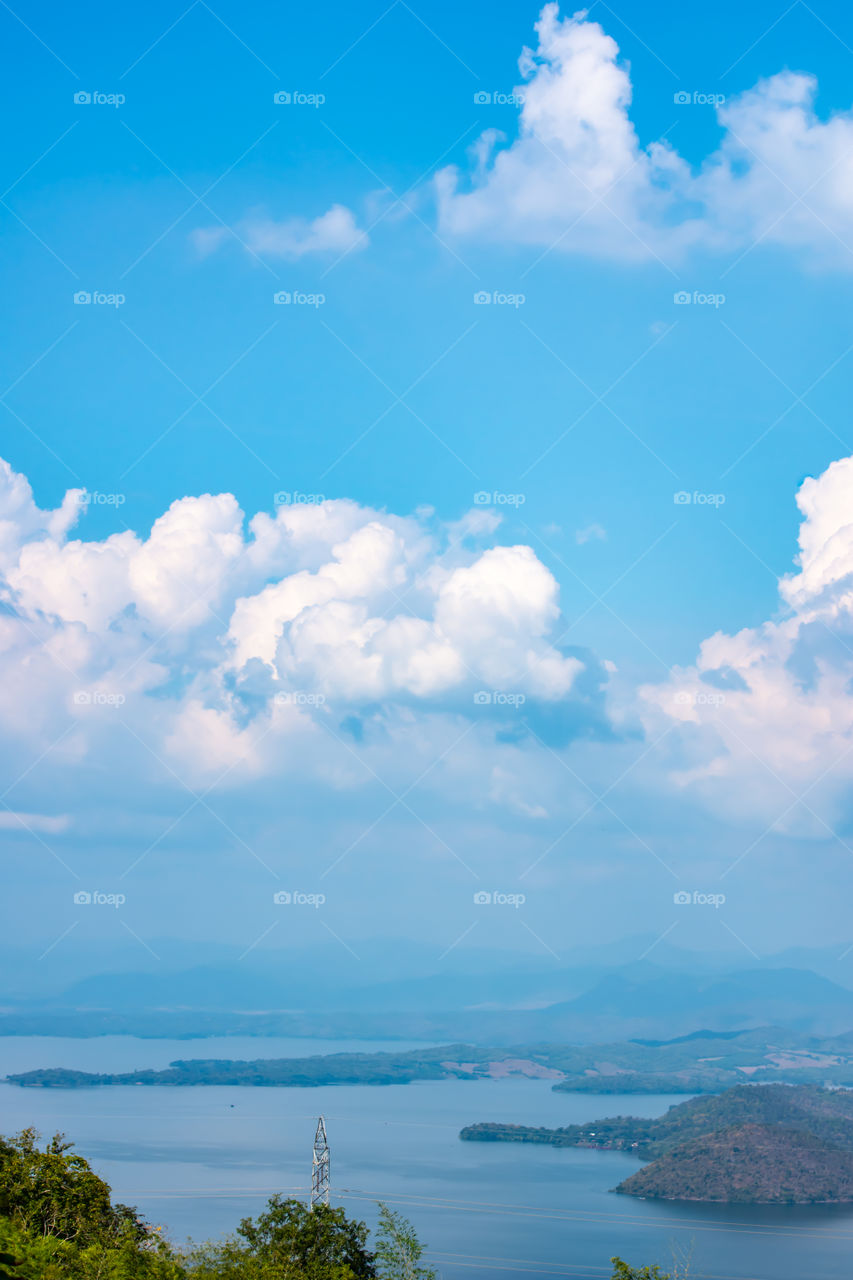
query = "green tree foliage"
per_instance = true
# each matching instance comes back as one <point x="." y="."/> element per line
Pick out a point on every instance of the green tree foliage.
<point x="287" y="1242"/>
<point x="54" y="1192"/>
<point x="50" y="1258"/>
<point x="398" y="1249"/>
<point x="621" y="1271"/>
<point x="57" y="1220"/>
<point x="10" y="1267"/>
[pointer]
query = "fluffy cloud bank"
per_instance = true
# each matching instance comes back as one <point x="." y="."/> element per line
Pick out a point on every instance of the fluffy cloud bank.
<point x="766" y="716"/>
<point x="577" y="177"/>
<point x="227" y="645"/>
<point x="329" y="646"/>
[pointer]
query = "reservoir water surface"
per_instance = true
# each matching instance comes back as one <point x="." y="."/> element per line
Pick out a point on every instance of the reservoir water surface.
<point x="198" y="1159"/>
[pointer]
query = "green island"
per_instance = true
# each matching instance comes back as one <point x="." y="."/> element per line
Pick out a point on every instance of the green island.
<point x="752" y="1144"/>
<point x="704" y="1062"/>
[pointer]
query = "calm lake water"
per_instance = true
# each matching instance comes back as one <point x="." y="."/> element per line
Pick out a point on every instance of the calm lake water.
<point x="198" y="1159"/>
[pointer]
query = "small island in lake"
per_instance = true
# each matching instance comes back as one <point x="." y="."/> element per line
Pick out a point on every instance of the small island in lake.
<point x="448" y="1062"/>
<point x="753" y="1144"/>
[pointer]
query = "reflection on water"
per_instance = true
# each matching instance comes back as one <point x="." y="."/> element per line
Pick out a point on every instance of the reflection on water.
<point x="198" y="1159"/>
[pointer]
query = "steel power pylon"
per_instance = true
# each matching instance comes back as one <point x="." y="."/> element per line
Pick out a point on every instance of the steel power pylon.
<point x="320" y="1168"/>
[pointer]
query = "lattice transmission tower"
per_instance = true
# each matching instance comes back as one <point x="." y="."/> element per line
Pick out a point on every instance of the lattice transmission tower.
<point x="320" y="1167"/>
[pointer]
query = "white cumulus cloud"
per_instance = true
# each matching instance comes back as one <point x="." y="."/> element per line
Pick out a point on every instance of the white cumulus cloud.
<point x="578" y="179"/>
<point x="765" y="716"/>
<point x="228" y="646"/>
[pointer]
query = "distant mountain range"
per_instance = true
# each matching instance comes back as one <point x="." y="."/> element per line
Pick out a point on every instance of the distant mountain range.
<point x="488" y="997"/>
<point x="577" y="1005"/>
<point x="675" y="1002"/>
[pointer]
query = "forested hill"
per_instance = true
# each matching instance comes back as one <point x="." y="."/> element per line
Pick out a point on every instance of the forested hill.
<point x="750" y="1163"/>
<point x="767" y="1143"/>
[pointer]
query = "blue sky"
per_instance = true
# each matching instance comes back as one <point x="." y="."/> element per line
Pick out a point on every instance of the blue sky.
<point x="590" y="398"/>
